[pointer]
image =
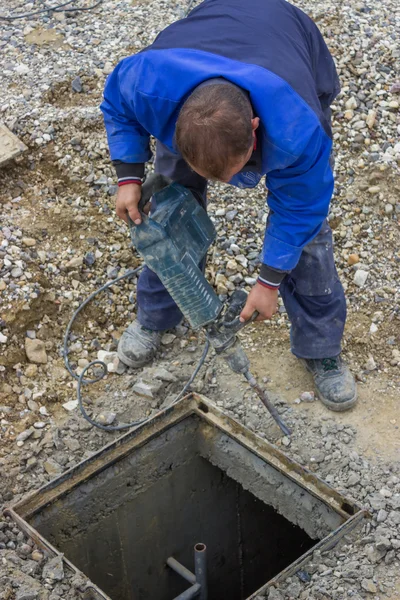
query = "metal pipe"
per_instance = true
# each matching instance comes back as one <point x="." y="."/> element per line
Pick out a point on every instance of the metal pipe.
<point x="200" y="569"/>
<point x="191" y="592"/>
<point x="181" y="570"/>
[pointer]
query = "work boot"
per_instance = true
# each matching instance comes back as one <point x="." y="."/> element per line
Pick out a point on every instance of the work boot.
<point x="335" y="384"/>
<point x="138" y="345"/>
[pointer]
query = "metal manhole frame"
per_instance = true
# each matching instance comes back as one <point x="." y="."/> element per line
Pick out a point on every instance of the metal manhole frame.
<point x="193" y="404"/>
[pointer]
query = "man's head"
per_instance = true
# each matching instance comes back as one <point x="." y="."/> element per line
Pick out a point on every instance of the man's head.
<point x="215" y="130"/>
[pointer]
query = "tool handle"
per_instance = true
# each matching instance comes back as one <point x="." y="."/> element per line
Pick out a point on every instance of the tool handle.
<point x="236" y="304"/>
<point x="153" y="184"/>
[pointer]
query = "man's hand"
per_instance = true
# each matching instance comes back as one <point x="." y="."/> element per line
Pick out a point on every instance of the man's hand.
<point x="261" y="299"/>
<point x="127" y="202"/>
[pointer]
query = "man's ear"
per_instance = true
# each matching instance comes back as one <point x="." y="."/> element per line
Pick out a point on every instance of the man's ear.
<point x="255" y="123"/>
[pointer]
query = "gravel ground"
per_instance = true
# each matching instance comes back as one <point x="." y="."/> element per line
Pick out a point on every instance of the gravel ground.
<point x="60" y="240"/>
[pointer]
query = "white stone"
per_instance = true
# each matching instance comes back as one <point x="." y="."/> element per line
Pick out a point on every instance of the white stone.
<point x="22" y="69"/>
<point x="360" y="277"/>
<point x="70" y="405"/>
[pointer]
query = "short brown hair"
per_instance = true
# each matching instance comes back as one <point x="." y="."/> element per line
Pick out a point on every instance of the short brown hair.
<point x="214" y="129"/>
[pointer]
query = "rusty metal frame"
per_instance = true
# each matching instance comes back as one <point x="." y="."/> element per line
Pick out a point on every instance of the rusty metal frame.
<point x="193" y="404"/>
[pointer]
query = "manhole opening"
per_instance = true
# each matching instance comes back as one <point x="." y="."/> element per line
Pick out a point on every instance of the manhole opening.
<point x="192" y="483"/>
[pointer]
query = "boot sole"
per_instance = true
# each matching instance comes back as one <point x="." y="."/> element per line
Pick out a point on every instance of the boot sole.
<point x="338" y="406"/>
<point x="335" y="406"/>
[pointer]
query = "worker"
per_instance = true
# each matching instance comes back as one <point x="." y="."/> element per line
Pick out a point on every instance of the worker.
<point x="234" y="92"/>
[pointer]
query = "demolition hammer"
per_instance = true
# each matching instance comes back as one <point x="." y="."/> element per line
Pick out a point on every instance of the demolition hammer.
<point x="173" y="242"/>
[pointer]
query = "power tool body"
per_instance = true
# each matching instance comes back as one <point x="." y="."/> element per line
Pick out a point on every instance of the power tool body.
<point x="173" y="242"/>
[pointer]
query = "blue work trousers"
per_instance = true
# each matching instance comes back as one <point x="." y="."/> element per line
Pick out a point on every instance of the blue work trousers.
<point x="312" y="293"/>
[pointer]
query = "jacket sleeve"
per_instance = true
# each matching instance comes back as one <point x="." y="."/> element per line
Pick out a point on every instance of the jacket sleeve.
<point x="127" y="139"/>
<point x="299" y="198"/>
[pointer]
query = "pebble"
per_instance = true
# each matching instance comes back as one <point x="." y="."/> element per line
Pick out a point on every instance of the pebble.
<point x="31" y="371"/>
<point x="37" y="556"/>
<point x="77" y="85"/>
<point x="371" y="118"/>
<point x="28" y="242"/>
<point x="3" y="338"/>
<point x="370" y="365"/>
<point x="32" y="405"/>
<point x="360" y="277"/>
<point x="168" y="338"/>
<point x="307" y="397"/>
<point x="16" y="272"/>
<point x="388" y="209"/>
<point x="351" y="103"/>
<point x="35" y="351"/>
<point x="353" y="259"/>
<point x="75" y="262"/>
<point x="24" y="435"/>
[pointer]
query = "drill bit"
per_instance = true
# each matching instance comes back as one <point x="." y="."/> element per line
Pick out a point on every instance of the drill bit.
<point x="264" y="399"/>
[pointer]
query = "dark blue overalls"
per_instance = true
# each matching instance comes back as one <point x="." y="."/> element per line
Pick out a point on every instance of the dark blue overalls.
<point x="312" y="293"/>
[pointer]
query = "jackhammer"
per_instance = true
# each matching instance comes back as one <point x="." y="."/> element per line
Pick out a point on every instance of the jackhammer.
<point x="173" y="242"/>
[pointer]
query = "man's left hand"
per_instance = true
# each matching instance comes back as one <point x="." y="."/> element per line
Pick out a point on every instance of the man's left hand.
<point x="261" y="299"/>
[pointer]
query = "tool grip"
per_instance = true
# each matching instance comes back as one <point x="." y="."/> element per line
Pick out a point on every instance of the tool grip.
<point x="236" y="304"/>
<point x="153" y="184"/>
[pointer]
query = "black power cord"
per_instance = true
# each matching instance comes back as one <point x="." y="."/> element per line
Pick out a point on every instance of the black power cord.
<point x="81" y="378"/>
<point x="50" y="9"/>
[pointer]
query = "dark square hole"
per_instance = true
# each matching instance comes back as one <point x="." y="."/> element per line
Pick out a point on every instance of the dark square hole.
<point x="190" y="482"/>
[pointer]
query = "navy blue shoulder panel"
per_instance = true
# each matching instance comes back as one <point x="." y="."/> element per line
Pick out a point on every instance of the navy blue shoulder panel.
<point x="269" y="33"/>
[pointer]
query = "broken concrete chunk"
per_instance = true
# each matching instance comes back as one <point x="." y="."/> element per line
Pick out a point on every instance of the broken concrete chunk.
<point x="111" y="360"/>
<point x="35" y="351"/>
<point x="70" y="405"/>
<point x="54" y="570"/>
<point x="106" y="418"/>
<point x="159" y="373"/>
<point x="144" y="389"/>
<point x="10" y="145"/>
<point x="26" y="593"/>
<point x="52" y="467"/>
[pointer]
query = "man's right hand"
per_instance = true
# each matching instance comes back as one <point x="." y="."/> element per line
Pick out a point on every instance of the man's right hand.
<point x="127" y="202"/>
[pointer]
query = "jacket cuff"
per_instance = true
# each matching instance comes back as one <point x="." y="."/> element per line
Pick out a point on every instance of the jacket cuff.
<point x="270" y="278"/>
<point x="129" y="171"/>
<point x="280" y="255"/>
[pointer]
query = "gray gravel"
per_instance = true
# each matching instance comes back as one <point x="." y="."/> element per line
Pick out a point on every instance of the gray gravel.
<point x="60" y="239"/>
